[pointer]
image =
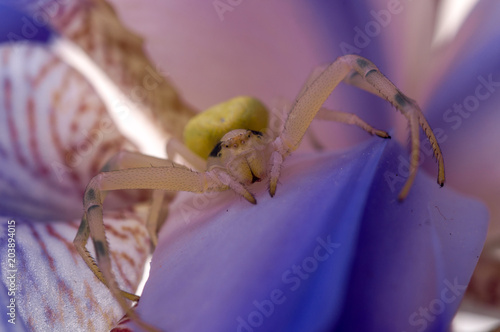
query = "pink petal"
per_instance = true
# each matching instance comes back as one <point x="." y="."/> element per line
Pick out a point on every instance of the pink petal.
<point x="260" y="49"/>
<point x="269" y="50"/>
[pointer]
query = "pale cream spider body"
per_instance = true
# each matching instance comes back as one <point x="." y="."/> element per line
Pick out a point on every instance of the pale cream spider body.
<point x="239" y="151"/>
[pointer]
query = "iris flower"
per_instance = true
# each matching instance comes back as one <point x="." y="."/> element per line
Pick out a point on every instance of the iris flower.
<point x="333" y="250"/>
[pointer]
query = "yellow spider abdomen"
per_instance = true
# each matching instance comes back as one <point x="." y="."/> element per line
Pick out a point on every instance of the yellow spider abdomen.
<point x="206" y="129"/>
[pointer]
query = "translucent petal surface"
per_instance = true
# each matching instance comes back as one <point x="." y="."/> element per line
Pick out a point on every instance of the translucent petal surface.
<point x="333" y="250"/>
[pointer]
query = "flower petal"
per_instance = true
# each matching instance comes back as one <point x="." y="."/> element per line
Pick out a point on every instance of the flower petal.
<point x="94" y="26"/>
<point x="333" y="245"/>
<point x="16" y="26"/>
<point x="464" y="109"/>
<point x="55" y="135"/>
<point x="267" y="50"/>
<point x="53" y="289"/>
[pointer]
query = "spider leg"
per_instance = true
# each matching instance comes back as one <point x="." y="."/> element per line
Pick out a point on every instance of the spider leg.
<point x="349" y="118"/>
<point x="369" y="78"/>
<point x="158" y="213"/>
<point x="175" y="147"/>
<point x="159" y="206"/>
<point x="343" y="117"/>
<point x="80" y="242"/>
<point x="103" y="258"/>
<point x="364" y="74"/>
<point x="121" y="160"/>
<point x="227" y="181"/>
<point x="169" y="176"/>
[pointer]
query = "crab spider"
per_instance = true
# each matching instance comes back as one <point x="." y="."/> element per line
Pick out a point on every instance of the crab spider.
<point x="239" y="150"/>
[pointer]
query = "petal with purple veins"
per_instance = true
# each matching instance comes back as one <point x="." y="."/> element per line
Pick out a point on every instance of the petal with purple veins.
<point x="53" y="289"/>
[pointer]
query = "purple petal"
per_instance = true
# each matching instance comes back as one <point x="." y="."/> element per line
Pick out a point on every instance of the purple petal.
<point x="395" y="36"/>
<point x="333" y="249"/>
<point x="464" y="107"/>
<point x="18" y="26"/>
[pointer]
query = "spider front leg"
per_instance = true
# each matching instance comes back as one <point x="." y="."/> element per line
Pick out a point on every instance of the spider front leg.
<point x="343" y="117"/>
<point x="349" y="118"/>
<point x="96" y="231"/>
<point x="168" y="176"/>
<point x="362" y="73"/>
<point x="123" y="160"/>
<point x="159" y="201"/>
<point x="375" y="82"/>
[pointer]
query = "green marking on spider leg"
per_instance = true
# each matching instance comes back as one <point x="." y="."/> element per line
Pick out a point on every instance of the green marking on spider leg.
<point x="99" y="248"/>
<point x="400" y="99"/>
<point x="90" y="195"/>
<point x="362" y="63"/>
<point x="83" y="228"/>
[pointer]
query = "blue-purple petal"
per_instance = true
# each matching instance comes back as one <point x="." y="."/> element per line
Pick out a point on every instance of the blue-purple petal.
<point x="464" y="106"/>
<point x="367" y="261"/>
<point x="18" y="26"/>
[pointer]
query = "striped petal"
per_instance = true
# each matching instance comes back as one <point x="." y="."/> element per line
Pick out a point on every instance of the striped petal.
<point x="94" y="26"/>
<point x="52" y="288"/>
<point x="55" y="134"/>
